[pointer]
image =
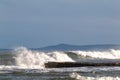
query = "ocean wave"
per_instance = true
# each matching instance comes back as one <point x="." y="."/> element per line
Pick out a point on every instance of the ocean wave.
<point x="110" y="54"/>
<point x="23" y="58"/>
<point x="36" y="59"/>
<point x="79" y="77"/>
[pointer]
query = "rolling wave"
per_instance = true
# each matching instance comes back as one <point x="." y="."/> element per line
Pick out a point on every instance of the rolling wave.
<point x="24" y="58"/>
<point x="110" y="54"/>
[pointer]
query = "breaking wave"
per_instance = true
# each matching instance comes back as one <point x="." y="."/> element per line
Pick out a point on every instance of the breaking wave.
<point x="111" y="54"/>
<point x="34" y="59"/>
<point x="23" y="60"/>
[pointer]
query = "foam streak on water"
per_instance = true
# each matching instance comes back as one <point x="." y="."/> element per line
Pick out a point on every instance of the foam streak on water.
<point x="79" y="77"/>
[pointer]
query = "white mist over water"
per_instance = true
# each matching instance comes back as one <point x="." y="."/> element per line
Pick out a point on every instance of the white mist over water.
<point x="111" y="54"/>
<point x="34" y="59"/>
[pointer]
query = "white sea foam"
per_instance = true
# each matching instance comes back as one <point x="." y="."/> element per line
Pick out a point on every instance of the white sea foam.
<point x="111" y="54"/>
<point x="79" y="77"/>
<point x="29" y="59"/>
<point x="34" y="59"/>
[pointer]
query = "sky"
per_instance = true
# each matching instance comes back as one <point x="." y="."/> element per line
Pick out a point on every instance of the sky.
<point x="39" y="23"/>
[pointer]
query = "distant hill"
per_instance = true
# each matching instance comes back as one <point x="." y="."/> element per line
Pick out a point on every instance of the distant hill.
<point x="67" y="47"/>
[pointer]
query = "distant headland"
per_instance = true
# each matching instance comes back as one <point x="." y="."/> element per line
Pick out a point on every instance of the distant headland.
<point x="67" y="47"/>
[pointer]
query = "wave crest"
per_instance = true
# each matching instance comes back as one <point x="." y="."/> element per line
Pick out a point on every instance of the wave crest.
<point x="36" y="59"/>
<point x="111" y="54"/>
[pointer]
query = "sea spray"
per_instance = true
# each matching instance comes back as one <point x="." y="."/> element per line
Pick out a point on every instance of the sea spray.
<point x="35" y="59"/>
<point x="110" y="54"/>
<point x="25" y="58"/>
<point x="28" y="64"/>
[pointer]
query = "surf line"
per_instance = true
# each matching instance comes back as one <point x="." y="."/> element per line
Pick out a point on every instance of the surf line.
<point x="79" y="64"/>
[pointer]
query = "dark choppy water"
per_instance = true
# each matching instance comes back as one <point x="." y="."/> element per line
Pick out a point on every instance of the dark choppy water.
<point x="24" y="64"/>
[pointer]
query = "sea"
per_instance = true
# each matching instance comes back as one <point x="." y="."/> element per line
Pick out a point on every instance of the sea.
<point x="29" y="64"/>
